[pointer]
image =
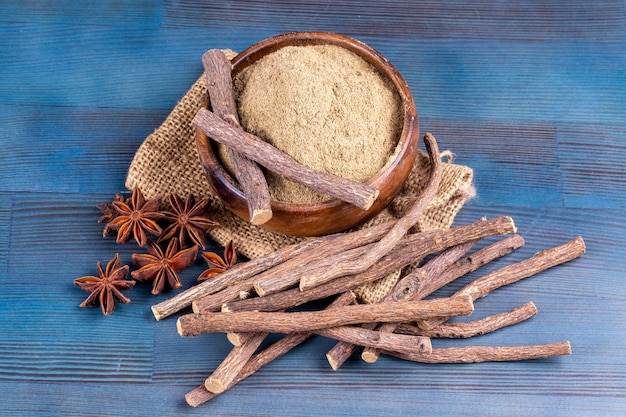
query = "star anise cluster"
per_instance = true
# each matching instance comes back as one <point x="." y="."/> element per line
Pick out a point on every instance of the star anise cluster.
<point x="178" y="233"/>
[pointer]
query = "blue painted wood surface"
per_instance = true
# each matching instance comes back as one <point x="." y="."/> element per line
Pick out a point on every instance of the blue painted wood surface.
<point x="531" y="94"/>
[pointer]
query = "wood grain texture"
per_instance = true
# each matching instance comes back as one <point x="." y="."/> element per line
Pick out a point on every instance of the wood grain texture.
<point x="478" y="19"/>
<point x="532" y="95"/>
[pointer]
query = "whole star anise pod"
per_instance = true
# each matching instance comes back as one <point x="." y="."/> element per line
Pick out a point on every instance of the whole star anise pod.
<point x="188" y="221"/>
<point x="217" y="264"/>
<point x="107" y="286"/>
<point x="162" y="267"/>
<point x="136" y="218"/>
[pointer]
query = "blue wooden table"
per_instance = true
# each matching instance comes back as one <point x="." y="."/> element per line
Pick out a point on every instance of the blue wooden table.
<point x="530" y="94"/>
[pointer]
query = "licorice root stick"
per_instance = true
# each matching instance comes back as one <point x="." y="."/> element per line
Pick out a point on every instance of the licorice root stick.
<point x="473" y="354"/>
<point x="255" y="321"/>
<point x="217" y="69"/>
<point x="359" y="194"/>
<point x="473" y="328"/>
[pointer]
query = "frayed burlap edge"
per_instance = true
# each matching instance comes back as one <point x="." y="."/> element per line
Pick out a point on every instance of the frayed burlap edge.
<point x="167" y="162"/>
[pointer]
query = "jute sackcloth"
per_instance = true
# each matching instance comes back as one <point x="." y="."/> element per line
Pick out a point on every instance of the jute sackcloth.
<point x="167" y="162"/>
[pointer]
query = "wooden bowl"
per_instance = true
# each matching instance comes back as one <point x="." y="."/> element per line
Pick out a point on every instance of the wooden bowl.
<point x="333" y="215"/>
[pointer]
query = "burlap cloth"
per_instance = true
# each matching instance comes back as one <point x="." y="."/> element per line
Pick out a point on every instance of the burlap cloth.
<point x="167" y="162"/>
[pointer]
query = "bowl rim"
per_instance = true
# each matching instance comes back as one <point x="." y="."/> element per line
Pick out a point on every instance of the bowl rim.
<point x="406" y="139"/>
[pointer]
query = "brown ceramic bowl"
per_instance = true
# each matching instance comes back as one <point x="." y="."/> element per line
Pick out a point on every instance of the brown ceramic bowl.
<point x="333" y="215"/>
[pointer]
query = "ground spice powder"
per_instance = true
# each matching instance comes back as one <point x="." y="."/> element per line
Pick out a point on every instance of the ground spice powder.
<point x="326" y="107"/>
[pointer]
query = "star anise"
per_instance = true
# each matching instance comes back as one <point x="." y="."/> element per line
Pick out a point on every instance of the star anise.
<point x="135" y="218"/>
<point x="109" y="212"/>
<point x="188" y="221"/>
<point x="217" y="264"/>
<point x="107" y="286"/>
<point x="162" y="267"/>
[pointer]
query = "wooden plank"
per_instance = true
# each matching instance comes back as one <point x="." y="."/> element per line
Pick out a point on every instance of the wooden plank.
<point x="5" y="230"/>
<point x="525" y="20"/>
<point x="47" y="340"/>
<point x="61" y="226"/>
<point x="592" y="159"/>
<point x="72" y="399"/>
<point x="140" y="13"/>
<point x="102" y="66"/>
<point x="538" y="164"/>
<point x="70" y="149"/>
<point x="513" y="163"/>
<point x="514" y="81"/>
<point x="54" y="239"/>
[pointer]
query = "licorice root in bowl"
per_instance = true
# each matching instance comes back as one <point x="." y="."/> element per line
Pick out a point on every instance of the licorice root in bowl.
<point x="333" y="104"/>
